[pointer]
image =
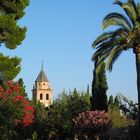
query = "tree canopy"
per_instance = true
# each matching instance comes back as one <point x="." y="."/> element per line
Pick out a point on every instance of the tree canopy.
<point x="9" y="67"/>
<point x="99" y="89"/>
<point x="11" y="34"/>
<point x="65" y="108"/>
<point x="110" y="45"/>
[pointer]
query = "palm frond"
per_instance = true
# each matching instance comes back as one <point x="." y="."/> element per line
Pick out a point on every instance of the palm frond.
<point x="106" y="46"/>
<point x="114" y="54"/>
<point x="138" y="9"/>
<point x="110" y="59"/>
<point x="120" y="32"/>
<point x="131" y="37"/>
<point x="134" y="5"/>
<point x="103" y="48"/>
<point x="118" y="3"/>
<point x="101" y="38"/>
<point x="130" y="11"/>
<point x="109" y="46"/>
<point x="98" y="68"/>
<point x="102" y="58"/>
<point x="100" y="52"/>
<point x="116" y="19"/>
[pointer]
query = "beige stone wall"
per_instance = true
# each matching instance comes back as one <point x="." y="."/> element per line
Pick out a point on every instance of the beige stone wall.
<point x="44" y="93"/>
<point x="43" y="85"/>
<point x="44" y="89"/>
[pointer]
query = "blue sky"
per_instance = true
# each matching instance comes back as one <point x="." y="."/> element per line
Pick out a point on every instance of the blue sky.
<point x="60" y="32"/>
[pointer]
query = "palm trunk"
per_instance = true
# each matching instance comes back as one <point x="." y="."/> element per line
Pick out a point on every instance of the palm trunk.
<point x="138" y="84"/>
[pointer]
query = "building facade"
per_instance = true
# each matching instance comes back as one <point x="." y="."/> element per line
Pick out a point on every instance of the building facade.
<point x="42" y="90"/>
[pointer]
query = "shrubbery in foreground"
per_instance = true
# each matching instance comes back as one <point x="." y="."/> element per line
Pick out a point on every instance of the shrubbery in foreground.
<point x="14" y="107"/>
<point x="92" y="123"/>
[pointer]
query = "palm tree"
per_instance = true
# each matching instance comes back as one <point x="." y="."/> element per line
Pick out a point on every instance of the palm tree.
<point x="110" y="45"/>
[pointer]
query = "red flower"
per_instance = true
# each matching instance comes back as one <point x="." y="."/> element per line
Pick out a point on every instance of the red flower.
<point x="18" y="98"/>
<point x="11" y="98"/>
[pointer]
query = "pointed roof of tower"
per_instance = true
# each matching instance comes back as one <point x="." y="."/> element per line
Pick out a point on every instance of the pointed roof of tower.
<point x="42" y="76"/>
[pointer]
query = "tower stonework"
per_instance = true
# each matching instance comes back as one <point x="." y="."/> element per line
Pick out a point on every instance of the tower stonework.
<point x="42" y="91"/>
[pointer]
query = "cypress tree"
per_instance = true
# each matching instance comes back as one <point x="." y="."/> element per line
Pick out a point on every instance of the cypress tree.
<point x="88" y="92"/>
<point x="111" y="101"/>
<point x="99" y="89"/>
<point x="22" y="87"/>
<point x="116" y="102"/>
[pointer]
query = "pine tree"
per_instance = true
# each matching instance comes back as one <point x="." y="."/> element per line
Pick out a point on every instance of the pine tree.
<point x="9" y="67"/>
<point x="11" y="34"/>
<point x="99" y="89"/>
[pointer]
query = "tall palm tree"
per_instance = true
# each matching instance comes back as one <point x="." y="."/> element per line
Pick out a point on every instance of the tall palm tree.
<point x="110" y="45"/>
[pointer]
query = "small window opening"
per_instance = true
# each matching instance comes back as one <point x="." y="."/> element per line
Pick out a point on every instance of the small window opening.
<point x="47" y="96"/>
<point x="41" y="96"/>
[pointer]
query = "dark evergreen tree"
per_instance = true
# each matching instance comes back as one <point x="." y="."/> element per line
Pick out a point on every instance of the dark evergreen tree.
<point x="111" y="101"/>
<point x="22" y="87"/>
<point x="128" y="107"/>
<point x="64" y="109"/>
<point x="11" y="34"/>
<point x="9" y="67"/>
<point x="99" y="89"/>
<point x="88" y="92"/>
<point x="116" y="102"/>
<point x="125" y="36"/>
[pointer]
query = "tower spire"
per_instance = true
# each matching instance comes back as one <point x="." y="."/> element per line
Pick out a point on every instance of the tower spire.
<point x="42" y="65"/>
<point x="42" y="91"/>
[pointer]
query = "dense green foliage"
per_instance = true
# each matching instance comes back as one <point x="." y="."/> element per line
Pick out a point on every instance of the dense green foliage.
<point x="65" y="108"/>
<point x="56" y="121"/>
<point x="11" y="34"/>
<point x="110" y="45"/>
<point x="118" y="119"/>
<point x="9" y="67"/>
<point x="40" y="122"/>
<point x="15" y="110"/>
<point x="17" y="117"/>
<point x="99" y="89"/>
<point x="111" y="101"/>
<point x="22" y="87"/>
<point x="128" y="107"/>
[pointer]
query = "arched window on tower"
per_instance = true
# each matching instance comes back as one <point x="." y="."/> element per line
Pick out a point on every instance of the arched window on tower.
<point x="47" y="96"/>
<point x="41" y="96"/>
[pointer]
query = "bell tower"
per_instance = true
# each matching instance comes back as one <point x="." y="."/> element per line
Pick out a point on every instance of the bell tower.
<point x="42" y="91"/>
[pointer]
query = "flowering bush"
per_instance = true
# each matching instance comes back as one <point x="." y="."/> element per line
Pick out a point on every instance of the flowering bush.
<point x="92" y="122"/>
<point x="92" y="118"/>
<point x="14" y="107"/>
